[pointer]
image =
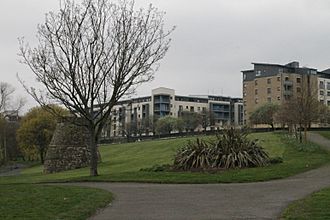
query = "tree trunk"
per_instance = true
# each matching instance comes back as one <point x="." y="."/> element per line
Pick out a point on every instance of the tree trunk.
<point x="300" y="134"/>
<point x="92" y="146"/>
<point x="41" y="152"/>
<point x="305" y="133"/>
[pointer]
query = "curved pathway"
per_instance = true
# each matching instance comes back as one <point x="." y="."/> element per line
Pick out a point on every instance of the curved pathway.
<point x="261" y="200"/>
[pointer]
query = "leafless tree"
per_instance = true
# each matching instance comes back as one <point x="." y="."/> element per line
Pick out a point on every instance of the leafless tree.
<point x="7" y="101"/>
<point x="9" y="108"/>
<point x="89" y="55"/>
<point x="304" y="108"/>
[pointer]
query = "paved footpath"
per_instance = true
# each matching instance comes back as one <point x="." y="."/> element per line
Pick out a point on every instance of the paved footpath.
<point x="261" y="200"/>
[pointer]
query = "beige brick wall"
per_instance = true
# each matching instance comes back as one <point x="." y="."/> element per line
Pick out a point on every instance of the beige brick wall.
<point x="275" y="83"/>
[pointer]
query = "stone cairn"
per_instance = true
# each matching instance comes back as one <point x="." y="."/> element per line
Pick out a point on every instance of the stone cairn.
<point x="68" y="148"/>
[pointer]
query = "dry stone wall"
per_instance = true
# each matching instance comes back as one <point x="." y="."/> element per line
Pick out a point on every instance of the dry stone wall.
<point x="68" y="148"/>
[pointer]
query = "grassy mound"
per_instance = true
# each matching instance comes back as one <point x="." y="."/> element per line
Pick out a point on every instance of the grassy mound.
<point x="123" y="162"/>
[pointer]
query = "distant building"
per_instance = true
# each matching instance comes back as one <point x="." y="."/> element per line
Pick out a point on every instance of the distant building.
<point x="276" y="83"/>
<point x="164" y="102"/>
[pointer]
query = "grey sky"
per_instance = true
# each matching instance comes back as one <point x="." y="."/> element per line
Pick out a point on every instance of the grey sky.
<point x="213" y="42"/>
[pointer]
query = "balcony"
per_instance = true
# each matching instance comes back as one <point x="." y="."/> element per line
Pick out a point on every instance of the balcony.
<point x="287" y="93"/>
<point x="288" y="83"/>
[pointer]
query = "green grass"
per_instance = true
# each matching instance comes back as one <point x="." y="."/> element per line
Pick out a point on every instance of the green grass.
<point x="325" y="134"/>
<point x="122" y="162"/>
<point x="315" y="206"/>
<point x="25" y="201"/>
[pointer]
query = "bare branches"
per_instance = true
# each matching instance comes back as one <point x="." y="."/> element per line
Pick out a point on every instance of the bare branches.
<point x="7" y="101"/>
<point x="90" y="55"/>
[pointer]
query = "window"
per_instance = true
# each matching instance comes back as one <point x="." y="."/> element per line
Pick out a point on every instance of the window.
<point x="180" y="108"/>
<point x="255" y="82"/>
<point x="286" y="78"/>
<point x="198" y="108"/>
<point x="328" y="93"/>
<point x="192" y="108"/>
<point x="321" y="92"/>
<point x="256" y="100"/>
<point x="278" y="98"/>
<point x="322" y="101"/>
<point x="187" y="107"/>
<point x="269" y="81"/>
<point x="328" y="86"/>
<point x="278" y="88"/>
<point x="269" y="99"/>
<point x="328" y="103"/>
<point x="258" y="73"/>
<point x="256" y="91"/>
<point x="298" y="80"/>
<point x="298" y="89"/>
<point x="269" y="90"/>
<point x="278" y="78"/>
<point x="321" y="85"/>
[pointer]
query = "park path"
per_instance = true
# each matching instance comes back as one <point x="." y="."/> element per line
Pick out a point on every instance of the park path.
<point x="261" y="200"/>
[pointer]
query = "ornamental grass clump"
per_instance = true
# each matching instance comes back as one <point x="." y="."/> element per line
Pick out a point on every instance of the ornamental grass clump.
<point x="231" y="149"/>
<point x="195" y="155"/>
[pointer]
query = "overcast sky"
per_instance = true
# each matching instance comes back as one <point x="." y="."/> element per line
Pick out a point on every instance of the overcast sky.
<point x="214" y="40"/>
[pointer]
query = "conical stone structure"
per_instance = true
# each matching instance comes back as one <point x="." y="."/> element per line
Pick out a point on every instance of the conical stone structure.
<point x="68" y="148"/>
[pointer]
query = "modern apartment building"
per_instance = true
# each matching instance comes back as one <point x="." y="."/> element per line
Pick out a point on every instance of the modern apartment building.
<point x="277" y="83"/>
<point x="164" y="102"/>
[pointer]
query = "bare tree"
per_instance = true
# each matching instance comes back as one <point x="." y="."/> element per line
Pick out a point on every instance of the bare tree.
<point x="304" y="108"/>
<point x="7" y="102"/>
<point x="92" y="54"/>
<point x="9" y="108"/>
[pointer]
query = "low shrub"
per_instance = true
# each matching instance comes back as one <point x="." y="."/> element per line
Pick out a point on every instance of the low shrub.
<point x="157" y="168"/>
<point x="231" y="149"/>
<point x="275" y="160"/>
<point x="195" y="155"/>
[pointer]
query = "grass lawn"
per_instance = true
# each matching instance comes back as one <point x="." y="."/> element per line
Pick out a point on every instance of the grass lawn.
<point x="325" y="134"/>
<point x="122" y="162"/>
<point x="26" y="201"/>
<point x="315" y="206"/>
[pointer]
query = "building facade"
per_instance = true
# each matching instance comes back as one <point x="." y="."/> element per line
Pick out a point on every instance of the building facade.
<point x="164" y="102"/>
<point x="275" y="83"/>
